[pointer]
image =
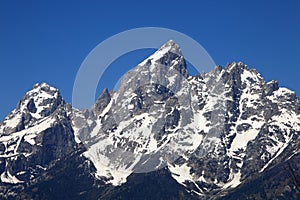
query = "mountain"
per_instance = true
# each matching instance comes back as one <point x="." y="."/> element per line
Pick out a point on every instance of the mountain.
<point x="224" y="134"/>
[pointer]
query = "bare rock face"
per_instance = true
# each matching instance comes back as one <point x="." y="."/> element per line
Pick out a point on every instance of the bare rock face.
<point x="102" y="102"/>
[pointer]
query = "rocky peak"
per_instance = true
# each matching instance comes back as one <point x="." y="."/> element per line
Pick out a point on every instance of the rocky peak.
<point x="43" y="97"/>
<point x="235" y="65"/>
<point x="170" y="46"/>
<point x="271" y="87"/>
<point x="210" y="132"/>
<point x="168" y="56"/>
<point x="159" y="76"/>
<point x="35" y="105"/>
<point x="102" y="102"/>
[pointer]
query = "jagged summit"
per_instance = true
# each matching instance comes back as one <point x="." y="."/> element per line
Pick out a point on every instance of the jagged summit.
<point x="171" y="46"/>
<point x="44" y="86"/>
<point x="42" y="96"/>
<point x="236" y="66"/>
<point x="36" y="104"/>
<point x="200" y="136"/>
<point x="224" y="110"/>
<point x="170" y="50"/>
<point x="102" y="101"/>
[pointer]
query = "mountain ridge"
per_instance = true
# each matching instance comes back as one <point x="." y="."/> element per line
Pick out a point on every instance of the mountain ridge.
<point x="209" y="133"/>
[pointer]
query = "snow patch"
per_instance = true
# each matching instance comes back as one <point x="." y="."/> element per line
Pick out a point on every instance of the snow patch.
<point x="181" y="173"/>
<point x="6" y="177"/>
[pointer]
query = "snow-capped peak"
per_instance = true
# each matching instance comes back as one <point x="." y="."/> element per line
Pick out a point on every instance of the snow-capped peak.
<point x="35" y="105"/>
<point x="169" y="47"/>
<point x="41" y="101"/>
<point x="212" y="131"/>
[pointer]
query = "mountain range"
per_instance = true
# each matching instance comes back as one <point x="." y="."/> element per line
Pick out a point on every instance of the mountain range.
<point x="164" y="134"/>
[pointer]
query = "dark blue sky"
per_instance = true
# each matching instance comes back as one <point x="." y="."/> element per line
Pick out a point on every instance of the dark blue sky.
<point x="46" y="41"/>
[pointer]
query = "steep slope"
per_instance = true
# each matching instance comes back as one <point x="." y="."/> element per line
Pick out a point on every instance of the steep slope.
<point x="141" y="127"/>
<point x="213" y="131"/>
<point x="163" y="135"/>
<point x="33" y="138"/>
<point x="261" y="121"/>
<point x="279" y="182"/>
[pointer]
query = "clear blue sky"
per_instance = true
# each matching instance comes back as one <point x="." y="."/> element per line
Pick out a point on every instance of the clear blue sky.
<point x="46" y="41"/>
